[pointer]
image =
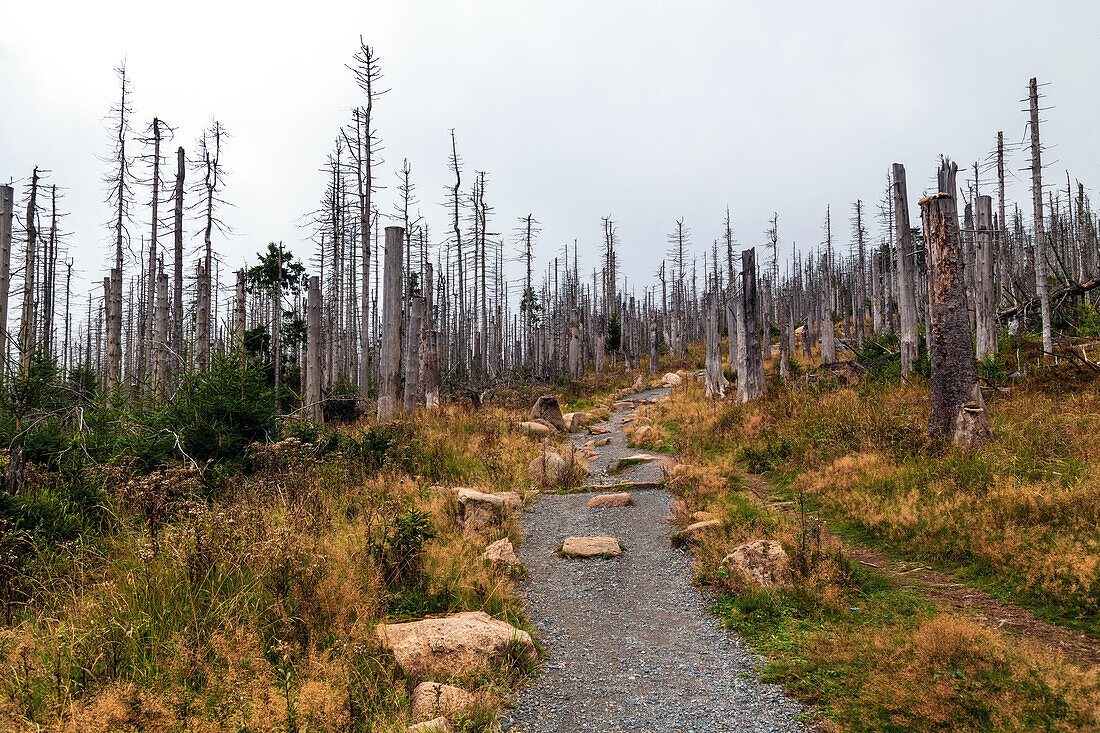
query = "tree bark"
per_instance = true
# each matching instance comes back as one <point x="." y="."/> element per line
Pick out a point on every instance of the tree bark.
<point x="7" y="212"/>
<point x="1041" y="286"/>
<point x="985" y="303"/>
<point x="389" y="390"/>
<point x="908" y="320"/>
<point x="312" y="406"/>
<point x="958" y="410"/>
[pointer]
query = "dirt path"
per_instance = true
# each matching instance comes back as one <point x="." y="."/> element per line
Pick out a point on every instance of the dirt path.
<point x="952" y="594"/>
<point x="629" y="644"/>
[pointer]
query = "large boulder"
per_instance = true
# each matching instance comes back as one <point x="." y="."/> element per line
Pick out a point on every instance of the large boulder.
<point x="501" y="555"/>
<point x="591" y="547"/>
<point x="535" y="429"/>
<point x="480" y="512"/>
<point x="547" y="408"/>
<point x="607" y="501"/>
<point x="671" y="380"/>
<point x="433" y="700"/>
<point x="763" y="564"/>
<point x="472" y="641"/>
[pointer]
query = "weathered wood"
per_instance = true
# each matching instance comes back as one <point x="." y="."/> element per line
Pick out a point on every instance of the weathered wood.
<point x="7" y="213"/>
<point x="389" y="388"/>
<point x="958" y="410"/>
<point x="716" y="381"/>
<point x="1041" y="286"/>
<point x="312" y="404"/>
<point x="985" y="301"/>
<point x="178" y="349"/>
<point x="160" y="335"/>
<point x="412" y="353"/>
<point x="750" y="384"/>
<point x="908" y="319"/>
<point x="786" y="328"/>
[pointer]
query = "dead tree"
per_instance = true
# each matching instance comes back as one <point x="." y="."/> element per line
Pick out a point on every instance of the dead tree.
<point x="958" y="410"/>
<point x="178" y="355"/>
<point x="750" y="380"/>
<point x="429" y="347"/>
<point x="412" y="353"/>
<point x="985" y="306"/>
<point x="1042" y="288"/>
<point x="209" y="165"/>
<point x="312" y="403"/>
<point x="715" y="380"/>
<point x="7" y="213"/>
<point x="27" y="321"/>
<point x="389" y="389"/>
<point x="908" y="319"/>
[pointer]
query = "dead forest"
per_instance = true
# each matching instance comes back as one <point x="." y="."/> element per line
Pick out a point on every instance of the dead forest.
<point x="357" y="371"/>
<point x="393" y="311"/>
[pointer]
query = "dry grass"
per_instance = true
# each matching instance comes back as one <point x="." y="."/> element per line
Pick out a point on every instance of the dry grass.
<point x="1020" y="517"/>
<point x="256" y="612"/>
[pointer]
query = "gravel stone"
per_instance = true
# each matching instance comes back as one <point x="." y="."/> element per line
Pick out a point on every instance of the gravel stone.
<point x="629" y="644"/>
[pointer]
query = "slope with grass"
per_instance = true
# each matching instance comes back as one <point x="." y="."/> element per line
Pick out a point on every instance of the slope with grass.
<point x="850" y="467"/>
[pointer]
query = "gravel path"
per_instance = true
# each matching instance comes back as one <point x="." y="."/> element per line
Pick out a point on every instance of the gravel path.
<point x="629" y="645"/>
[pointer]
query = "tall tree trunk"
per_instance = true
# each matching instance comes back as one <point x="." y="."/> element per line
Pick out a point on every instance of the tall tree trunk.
<point x="908" y="319"/>
<point x="753" y="378"/>
<point x="389" y="393"/>
<point x="179" y="355"/>
<point x="1041" y="285"/>
<point x="958" y="410"/>
<point x="7" y="213"/>
<point x="985" y="306"/>
<point x="312" y="406"/>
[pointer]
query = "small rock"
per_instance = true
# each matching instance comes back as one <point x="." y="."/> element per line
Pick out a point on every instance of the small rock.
<point x="762" y="563"/>
<point x="501" y="554"/>
<point x="601" y="442"/>
<point x="574" y="421"/>
<point x="471" y="641"/>
<point x="512" y="501"/>
<point x="591" y="546"/>
<point x="639" y="384"/>
<point x="599" y="430"/>
<point x="605" y="501"/>
<point x="438" y="725"/>
<point x="703" y="516"/>
<point x="432" y="699"/>
<point x="645" y="436"/>
<point x="548" y="469"/>
<point x="671" y="380"/>
<point x="535" y="429"/>
<point x="641" y="457"/>
<point x="547" y="408"/>
<point x="480" y="512"/>
<point x="692" y="531"/>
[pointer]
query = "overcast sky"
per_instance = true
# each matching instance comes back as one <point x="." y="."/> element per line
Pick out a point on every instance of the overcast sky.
<point x="645" y="111"/>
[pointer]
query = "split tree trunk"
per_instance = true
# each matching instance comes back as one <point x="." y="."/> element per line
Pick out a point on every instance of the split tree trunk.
<point x="958" y="410"/>
<point x="389" y="388"/>
<point x="751" y="383"/>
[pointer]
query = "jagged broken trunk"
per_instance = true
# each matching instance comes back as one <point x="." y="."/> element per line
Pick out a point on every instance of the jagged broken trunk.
<point x="958" y="410"/>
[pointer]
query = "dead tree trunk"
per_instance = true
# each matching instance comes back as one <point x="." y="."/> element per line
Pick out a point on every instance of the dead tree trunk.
<point x="389" y="388"/>
<point x="1041" y="286"/>
<point x="985" y="306"/>
<point x="412" y="353"/>
<point x="312" y="406"/>
<point x="750" y="384"/>
<point x="958" y="410"/>
<point x="715" y="380"/>
<point x="7" y="212"/>
<point x="786" y="328"/>
<point x="178" y="358"/>
<point x="908" y="320"/>
<point x="160" y="335"/>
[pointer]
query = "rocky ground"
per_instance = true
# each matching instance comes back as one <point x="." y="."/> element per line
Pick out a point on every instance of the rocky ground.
<point x="629" y="644"/>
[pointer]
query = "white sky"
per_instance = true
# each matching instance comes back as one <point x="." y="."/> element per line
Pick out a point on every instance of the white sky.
<point x="647" y="111"/>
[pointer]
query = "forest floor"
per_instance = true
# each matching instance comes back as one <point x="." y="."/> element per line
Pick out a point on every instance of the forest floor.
<point x="629" y="645"/>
